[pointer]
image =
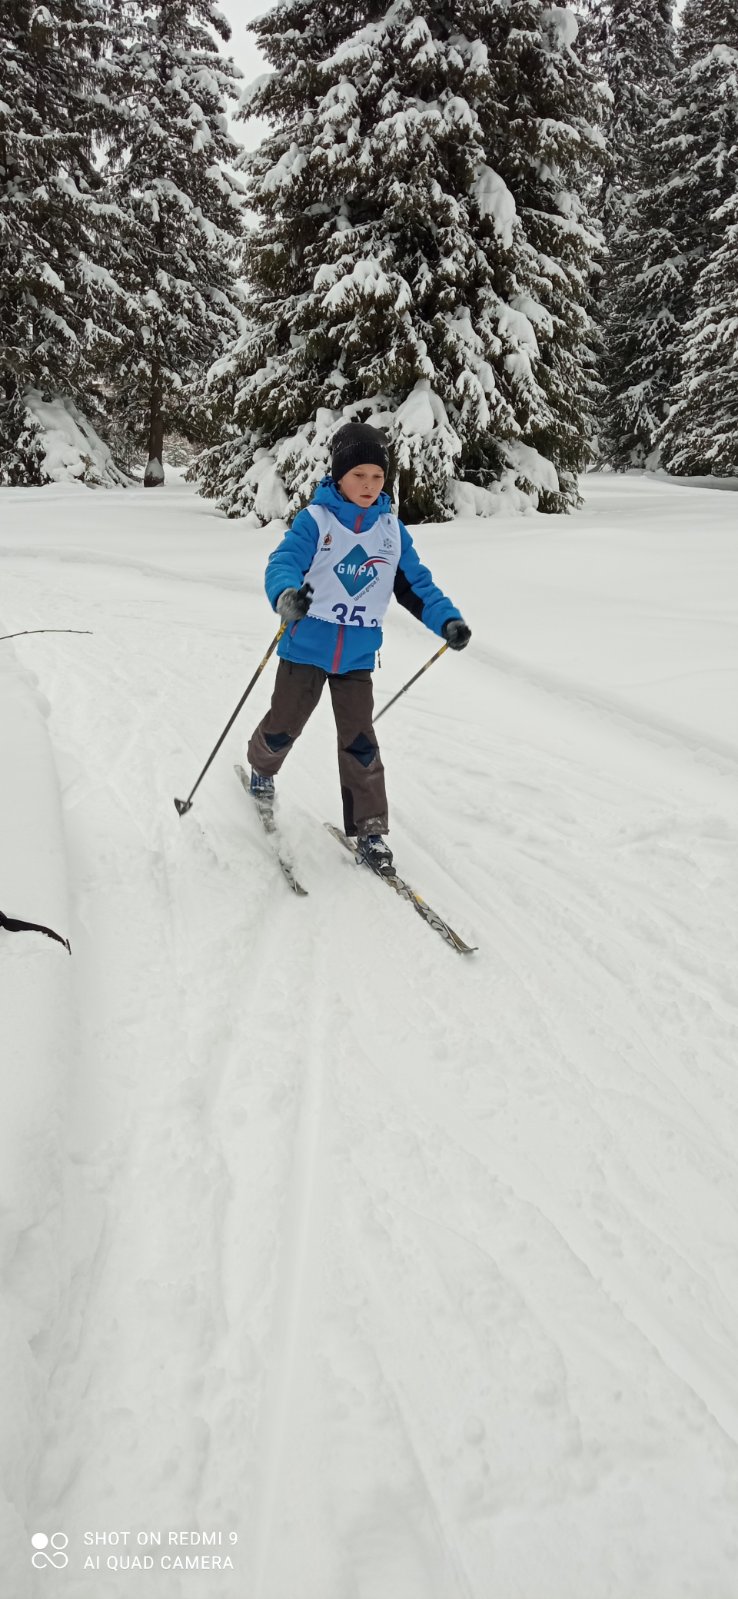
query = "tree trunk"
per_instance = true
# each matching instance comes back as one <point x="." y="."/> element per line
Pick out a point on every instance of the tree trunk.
<point x="154" y="474"/>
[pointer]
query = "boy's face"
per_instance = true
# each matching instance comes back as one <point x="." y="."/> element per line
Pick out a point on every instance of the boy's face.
<point x="362" y="485"/>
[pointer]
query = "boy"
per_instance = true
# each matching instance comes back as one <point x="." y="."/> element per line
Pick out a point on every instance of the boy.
<point x="331" y="580"/>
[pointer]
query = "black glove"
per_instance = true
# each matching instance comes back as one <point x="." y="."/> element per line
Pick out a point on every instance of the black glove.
<point x="293" y="604"/>
<point x="456" y="633"/>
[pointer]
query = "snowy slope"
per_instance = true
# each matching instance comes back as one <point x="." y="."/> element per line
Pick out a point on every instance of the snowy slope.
<point x="36" y="1049"/>
<point x="420" y="1275"/>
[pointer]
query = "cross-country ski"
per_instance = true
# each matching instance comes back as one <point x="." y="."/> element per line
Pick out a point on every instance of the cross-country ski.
<point x="406" y="892"/>
<point x="265" y="813"/>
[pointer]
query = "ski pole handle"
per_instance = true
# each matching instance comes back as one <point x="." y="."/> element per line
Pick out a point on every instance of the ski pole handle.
<point x="412" y="680"/>
<point x="183" y="806"/>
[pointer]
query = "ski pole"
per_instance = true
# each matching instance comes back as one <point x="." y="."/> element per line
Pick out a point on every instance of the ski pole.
<point x="184" y="805"/>
<point x="28" y="630"/>
<point x="410" y="683"/>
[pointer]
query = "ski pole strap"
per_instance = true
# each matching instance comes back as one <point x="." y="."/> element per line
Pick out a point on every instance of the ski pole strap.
<point x="412" y="680"/>
<point x="184" y="805"/>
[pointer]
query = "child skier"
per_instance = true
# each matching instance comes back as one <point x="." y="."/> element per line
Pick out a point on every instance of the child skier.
<point x="331" y="580"/>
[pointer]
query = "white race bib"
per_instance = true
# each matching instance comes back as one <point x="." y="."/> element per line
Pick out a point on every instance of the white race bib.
<point x="353" y="574"/>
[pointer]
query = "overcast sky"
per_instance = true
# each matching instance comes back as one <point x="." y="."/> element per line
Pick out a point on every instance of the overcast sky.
<point x="243" y="49"/>
<point x="242" y="46"/>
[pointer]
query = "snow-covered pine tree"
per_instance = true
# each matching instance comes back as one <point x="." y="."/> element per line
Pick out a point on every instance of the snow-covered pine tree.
<point x="636" y="44"/>
<point x="700" y="433"/>
<point x="674" y="228"/>
<point x="593" y="18"/>
<point x="637" y="55"/>
<point x="170" y="176"/>
<point x="390" y="277"/>
<point x="370" y="296"/>
<point x="548" y="146"/>
<point x="51" y="215"/>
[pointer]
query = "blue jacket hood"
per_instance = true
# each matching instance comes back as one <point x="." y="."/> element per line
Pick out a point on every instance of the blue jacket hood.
<point x="329" y="494"/>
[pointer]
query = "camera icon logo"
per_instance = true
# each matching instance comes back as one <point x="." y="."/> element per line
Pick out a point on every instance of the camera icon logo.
<point x="44" y="1555"/>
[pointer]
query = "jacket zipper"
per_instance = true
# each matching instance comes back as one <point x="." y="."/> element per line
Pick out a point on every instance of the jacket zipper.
<point x="338" y="652"/>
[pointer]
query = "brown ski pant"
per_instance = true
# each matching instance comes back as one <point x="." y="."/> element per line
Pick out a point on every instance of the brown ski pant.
<point x="297" y="690"/>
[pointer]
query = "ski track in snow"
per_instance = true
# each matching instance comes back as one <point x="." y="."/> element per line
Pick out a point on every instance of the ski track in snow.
<point x="418" y="1273"/>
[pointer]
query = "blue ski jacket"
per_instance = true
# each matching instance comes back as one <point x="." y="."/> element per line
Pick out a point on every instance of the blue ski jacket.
<point x="335" y="647"/>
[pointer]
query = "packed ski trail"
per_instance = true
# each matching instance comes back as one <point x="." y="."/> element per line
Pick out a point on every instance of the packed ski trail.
<point x="417" y="1273"/>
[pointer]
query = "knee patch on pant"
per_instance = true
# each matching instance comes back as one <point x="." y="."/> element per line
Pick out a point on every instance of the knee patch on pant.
<point x="277" y="741"/>
<point x="363" y="749"/>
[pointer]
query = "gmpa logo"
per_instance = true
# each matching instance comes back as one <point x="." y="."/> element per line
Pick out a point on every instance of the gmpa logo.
<point x="357" y="570"/>
<point x="55" y="1556"/>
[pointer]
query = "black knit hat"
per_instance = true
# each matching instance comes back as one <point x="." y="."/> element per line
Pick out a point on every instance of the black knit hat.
<point x="357" y="444"/>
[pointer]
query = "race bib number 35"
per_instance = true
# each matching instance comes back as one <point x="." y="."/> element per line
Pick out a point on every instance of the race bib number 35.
<point x="357" y="617"/>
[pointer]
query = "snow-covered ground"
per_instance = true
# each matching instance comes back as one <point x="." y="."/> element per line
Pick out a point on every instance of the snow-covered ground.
<point x="417" y="1274"/>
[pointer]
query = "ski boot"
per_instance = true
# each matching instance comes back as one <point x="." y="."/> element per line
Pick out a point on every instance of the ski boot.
<point x="262" y="789"/>
<point x="373" y="851"/>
